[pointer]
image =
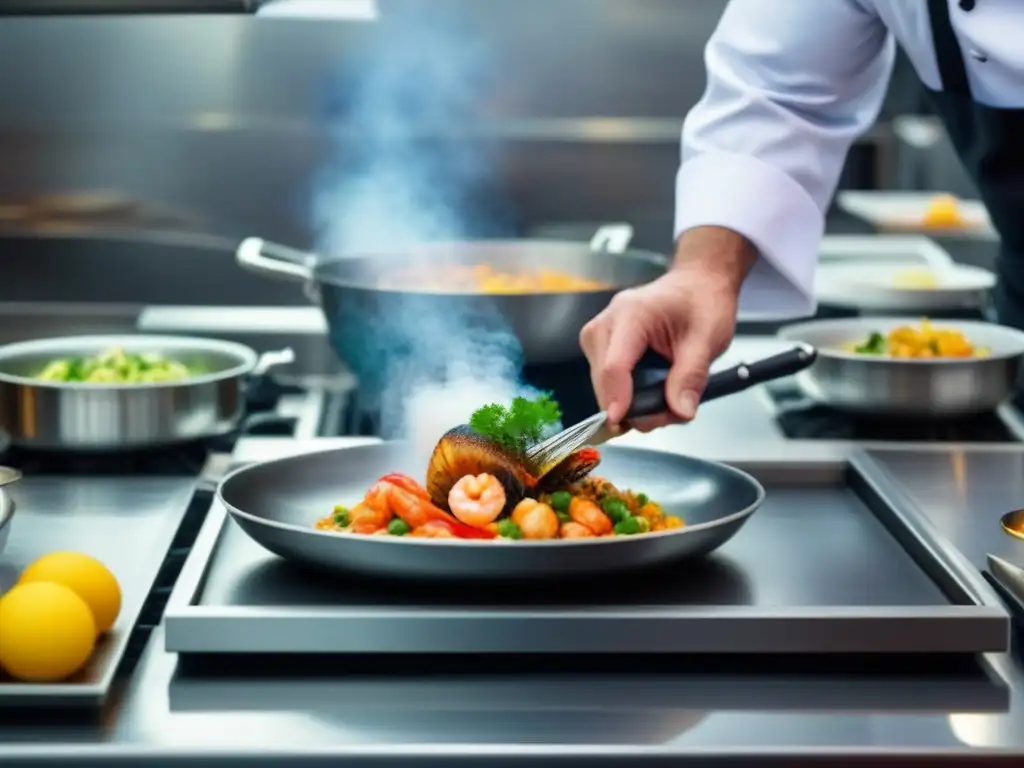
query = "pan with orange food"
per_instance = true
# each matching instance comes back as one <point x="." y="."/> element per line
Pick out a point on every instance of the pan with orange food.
<point x="485" y="507"/>
<point x="900" y="367"/>
<point x="543" y="291"/>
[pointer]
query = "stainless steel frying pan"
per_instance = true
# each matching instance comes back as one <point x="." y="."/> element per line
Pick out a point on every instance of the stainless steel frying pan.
<point x="277" y="502"/>
<point x="876" y="385"/>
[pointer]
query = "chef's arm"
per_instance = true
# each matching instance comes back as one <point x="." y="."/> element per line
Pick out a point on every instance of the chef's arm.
<point x="791" y="84"/>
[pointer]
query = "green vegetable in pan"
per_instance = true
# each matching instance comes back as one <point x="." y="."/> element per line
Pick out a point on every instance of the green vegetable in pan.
<point x="875" y="345"/>
<point x="116" y="366"/>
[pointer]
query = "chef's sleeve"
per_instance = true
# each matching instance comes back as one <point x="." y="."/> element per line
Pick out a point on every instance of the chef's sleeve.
<point x="790" y="85"/>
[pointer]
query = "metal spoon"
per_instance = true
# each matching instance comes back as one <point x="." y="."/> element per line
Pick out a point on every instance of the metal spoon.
<point x="1012" y="523"/>
<point x="9" y="475"/>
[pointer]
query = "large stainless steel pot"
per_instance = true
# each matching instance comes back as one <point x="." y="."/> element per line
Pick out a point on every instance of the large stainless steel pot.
<point x="104" y="417"/>
<point x="907" y="387"/>
<point x="368" y="324"/>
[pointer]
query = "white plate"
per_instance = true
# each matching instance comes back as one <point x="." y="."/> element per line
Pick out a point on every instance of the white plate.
<point x="907" y="210"/>
<point x="879" y="287"/>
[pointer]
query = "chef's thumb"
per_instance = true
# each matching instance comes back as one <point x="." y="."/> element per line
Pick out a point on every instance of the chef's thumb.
<point x="688" y="375"/>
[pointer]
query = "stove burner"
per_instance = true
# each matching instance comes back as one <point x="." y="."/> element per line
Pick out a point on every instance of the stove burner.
<point x="802" y="419"/>
<point x="180" y="460"/>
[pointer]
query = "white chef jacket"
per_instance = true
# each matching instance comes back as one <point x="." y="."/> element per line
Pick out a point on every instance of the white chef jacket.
<point x="791" y="85"/>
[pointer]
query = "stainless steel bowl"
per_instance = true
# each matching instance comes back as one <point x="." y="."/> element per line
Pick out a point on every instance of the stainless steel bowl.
<point x="907" y="387"/>
<point x="104" y="417"/>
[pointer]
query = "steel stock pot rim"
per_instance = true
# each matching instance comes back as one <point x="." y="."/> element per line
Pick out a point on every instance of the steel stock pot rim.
<point x="60" y="346"/>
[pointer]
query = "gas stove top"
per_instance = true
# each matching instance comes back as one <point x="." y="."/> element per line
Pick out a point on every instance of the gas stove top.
<point x="799" y="418"/>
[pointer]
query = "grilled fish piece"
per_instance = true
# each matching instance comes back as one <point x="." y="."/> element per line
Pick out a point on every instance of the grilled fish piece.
<point x="461" y="452"/>
<point x="570" y="470"/>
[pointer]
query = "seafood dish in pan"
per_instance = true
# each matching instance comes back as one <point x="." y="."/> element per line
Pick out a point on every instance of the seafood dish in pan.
<point x="479" y="486"/>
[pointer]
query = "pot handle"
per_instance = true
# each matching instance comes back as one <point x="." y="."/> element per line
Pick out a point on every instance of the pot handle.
<point x="9" y="475"/>
<point x="273" y="359"/>
<point x="271" y="260"/>
<point x="612" y="238"/>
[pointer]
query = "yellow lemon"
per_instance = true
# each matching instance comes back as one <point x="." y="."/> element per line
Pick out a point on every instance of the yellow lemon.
<point x="47" y="632"/>
<point x="87" y="577"/>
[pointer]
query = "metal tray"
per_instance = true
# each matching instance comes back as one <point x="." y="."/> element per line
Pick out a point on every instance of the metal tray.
<point x="835" y="562"/>
<point x="128" y="523"/>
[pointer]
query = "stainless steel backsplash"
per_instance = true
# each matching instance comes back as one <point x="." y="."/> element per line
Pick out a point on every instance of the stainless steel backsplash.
<point x="221" y="123"/>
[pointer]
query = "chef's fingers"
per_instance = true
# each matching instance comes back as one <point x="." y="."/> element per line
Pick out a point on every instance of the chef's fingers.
<point x="691" y="359"/>
<point x="648" y="423"/>
<point x="613" y="374"/>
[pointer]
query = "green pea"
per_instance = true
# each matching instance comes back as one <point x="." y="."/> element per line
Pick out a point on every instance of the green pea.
<point x="632" y="526"/>
<point x="560" y="501"/>
<point x="563" y="517"/>
<point x="341" y="516"/>
<point x="398" y="527"/>
<point x="508" y="529"/>
<point x="642" y="498"/>
<point x="616" y="509"/>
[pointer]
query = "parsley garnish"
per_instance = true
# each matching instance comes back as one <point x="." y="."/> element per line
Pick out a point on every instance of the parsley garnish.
<point x="520" y="425"/>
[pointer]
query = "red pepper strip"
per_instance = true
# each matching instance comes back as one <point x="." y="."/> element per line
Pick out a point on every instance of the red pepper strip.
<point x="461" y="530"/>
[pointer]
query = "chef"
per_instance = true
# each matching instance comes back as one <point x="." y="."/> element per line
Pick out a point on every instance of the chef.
<point x="790" y="85"/>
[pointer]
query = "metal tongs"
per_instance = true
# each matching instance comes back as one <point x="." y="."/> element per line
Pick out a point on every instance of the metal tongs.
<point x="650" y="401"/>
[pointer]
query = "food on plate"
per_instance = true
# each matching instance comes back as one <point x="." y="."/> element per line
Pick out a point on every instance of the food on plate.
<point x="478" y="486"/>
<point x="920" y="278"/>
<point x="943" y="212"/>
<point x="86" y="576"/>
<point x="923" y="341"/>
<point x="483" y="278"/>
<point x="47" y="632"/>
<point x="116" y="366"/>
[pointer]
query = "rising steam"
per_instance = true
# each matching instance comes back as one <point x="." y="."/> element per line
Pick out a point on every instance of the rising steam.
<point x="401" y="177"/>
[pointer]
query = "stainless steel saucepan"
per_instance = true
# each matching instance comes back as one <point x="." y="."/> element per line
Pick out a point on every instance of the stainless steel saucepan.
<point x="110" y="417"/>
<point x="932" y="387"/>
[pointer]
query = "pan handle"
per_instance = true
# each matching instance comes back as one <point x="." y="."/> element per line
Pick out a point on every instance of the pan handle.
<point x="612" y="238"/>
<point x="276" y="261"/>
<point x="650" y="400"/>
<point x="273" y="359"/>
<point x="9" y="475"/>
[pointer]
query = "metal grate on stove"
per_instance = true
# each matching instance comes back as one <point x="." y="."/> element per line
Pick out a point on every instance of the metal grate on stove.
<point x="802" y="419"/>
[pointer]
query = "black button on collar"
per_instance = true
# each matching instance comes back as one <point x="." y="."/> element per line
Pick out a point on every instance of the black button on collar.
<point x="967" y="5"/>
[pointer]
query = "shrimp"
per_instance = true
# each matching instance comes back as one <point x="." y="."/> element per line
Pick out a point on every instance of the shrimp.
<point x="521" y="509"/>
<point x="406" y="483"/>
<point x="574" y="530"/>
<point x="586" y="512"/>
<point x="373" y="513"/>
<point x="429" y="530"/>
<point x="413" y="509"/>
<point x="477" y="500"/>
<point x="537" y="521"/>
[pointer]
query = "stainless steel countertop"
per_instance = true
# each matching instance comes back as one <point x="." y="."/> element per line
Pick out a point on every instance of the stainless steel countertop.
<point x="126" y="523"/>
<point x="545" y="714"/>
<point x="661" y="717"/>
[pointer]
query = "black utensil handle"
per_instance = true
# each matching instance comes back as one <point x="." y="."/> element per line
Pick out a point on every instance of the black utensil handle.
<point x="650" y="400"/>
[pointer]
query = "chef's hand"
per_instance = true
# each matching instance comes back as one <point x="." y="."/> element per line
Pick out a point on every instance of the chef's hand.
<point x="688" y="316"/>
